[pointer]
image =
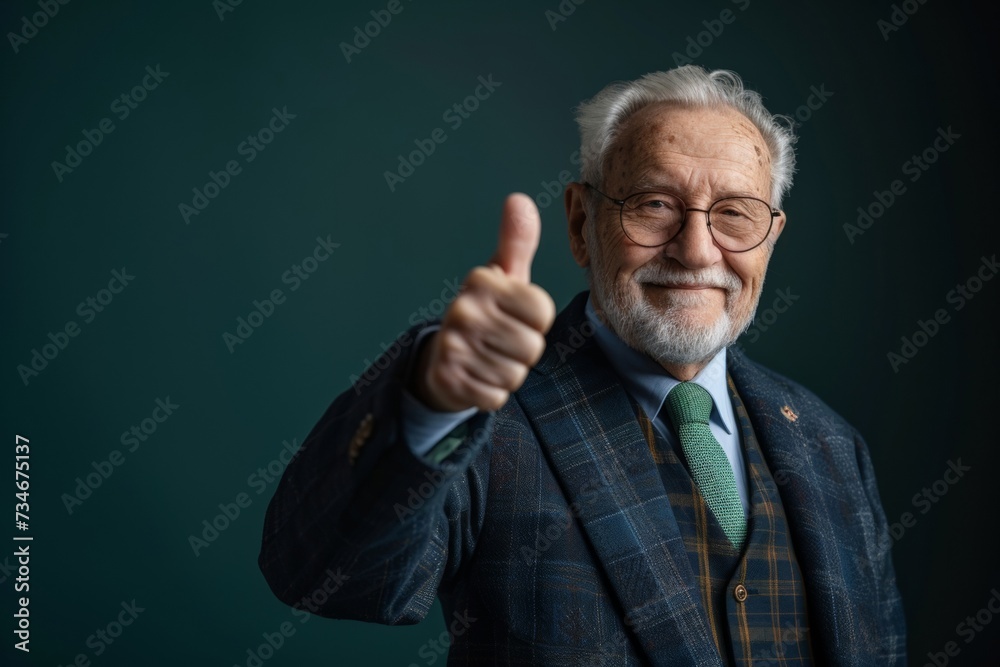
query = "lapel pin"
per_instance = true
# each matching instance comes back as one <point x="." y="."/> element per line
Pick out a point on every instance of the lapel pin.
<point x="360" y="438"/>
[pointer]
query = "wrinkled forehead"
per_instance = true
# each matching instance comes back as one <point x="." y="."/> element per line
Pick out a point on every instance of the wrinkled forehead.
<point x="661" y="139"/>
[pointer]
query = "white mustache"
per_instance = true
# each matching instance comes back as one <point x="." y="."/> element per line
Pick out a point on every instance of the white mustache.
<point x="713" y="277"/>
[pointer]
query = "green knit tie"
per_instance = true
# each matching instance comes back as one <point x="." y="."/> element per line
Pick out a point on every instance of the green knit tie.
<point x="689" y="406"/>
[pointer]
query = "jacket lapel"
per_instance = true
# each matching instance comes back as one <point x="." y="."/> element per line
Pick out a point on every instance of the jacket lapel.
<point x="589" y="433"/>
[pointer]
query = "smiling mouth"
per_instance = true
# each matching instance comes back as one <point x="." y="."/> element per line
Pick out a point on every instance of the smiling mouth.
<point x="681" y="286"/>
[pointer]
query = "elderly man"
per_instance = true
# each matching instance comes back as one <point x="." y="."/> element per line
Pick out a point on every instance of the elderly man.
<point x="627" y="489"/>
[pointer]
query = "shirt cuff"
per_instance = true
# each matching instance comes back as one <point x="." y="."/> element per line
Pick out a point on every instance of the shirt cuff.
<point x="424" y="428"/>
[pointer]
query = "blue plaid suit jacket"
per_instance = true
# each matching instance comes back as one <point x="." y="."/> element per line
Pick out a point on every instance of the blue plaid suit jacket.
<point x="548" y="535"/>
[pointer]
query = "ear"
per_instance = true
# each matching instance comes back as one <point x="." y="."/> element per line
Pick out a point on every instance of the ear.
<point x="576" y="216"/>
<point x="778" y="226"/>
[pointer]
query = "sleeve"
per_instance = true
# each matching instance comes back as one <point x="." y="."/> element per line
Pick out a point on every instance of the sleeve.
<point x="357" y="507"/>
<point x="890" y="610"/>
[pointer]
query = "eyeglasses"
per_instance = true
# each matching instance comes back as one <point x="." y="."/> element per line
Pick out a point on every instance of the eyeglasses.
<point x="652" y="219"/>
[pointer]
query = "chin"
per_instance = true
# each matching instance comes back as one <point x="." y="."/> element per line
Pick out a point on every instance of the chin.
<point x="708" y="300"/>
<point x="673" y="335"/>
<point x="691" y="319"/>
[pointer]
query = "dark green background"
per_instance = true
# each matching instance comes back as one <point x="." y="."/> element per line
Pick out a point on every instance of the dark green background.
<point x="323" y="175"/>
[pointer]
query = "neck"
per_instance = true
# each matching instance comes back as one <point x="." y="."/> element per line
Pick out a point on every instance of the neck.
<point x="684" y="372"/>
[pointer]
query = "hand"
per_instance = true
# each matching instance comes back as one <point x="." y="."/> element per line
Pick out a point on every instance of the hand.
<point x="494" y="330"/>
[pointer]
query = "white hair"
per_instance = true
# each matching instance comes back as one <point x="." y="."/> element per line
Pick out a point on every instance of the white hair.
<point x="601" y="118"/>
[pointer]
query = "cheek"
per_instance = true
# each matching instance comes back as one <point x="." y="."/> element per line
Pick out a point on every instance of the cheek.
<point x="633" y="257"/>
<point x="609" y="245"/>
<point x="750" y="271"/>
<point x="623" y="258"/>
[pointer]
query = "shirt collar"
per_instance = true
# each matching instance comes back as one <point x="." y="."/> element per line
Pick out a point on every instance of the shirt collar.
<point x="649" y="383"/>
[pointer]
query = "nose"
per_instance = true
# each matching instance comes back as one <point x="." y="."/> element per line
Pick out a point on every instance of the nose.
<point x="693" y="246"/>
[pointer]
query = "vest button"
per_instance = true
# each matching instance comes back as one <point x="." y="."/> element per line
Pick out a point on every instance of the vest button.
<point x="740" y="592"/>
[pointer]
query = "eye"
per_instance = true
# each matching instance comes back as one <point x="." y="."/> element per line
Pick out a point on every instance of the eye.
<point x="732" y="212"/>
<point x="654" y="202"/>
<point x="741" y="211"/>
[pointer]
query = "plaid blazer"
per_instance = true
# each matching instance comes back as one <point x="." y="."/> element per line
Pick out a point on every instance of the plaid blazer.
<point x="548" y="535"/>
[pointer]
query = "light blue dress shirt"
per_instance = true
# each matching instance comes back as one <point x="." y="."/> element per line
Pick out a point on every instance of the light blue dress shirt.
<point x="422" y="427"/>
<point x="645" y="380"/>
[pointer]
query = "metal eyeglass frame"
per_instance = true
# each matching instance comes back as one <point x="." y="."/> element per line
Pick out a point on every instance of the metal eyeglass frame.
<point x="621" y="217"/>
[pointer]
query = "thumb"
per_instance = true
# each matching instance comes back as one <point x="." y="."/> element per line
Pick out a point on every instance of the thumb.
<point x="520" y="231"/>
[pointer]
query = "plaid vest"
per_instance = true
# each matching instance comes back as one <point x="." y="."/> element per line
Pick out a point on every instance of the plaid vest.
<point x="754" y="601"/>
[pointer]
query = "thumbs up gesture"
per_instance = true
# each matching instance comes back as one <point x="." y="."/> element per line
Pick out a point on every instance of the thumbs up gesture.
<point x="494" y="331"/>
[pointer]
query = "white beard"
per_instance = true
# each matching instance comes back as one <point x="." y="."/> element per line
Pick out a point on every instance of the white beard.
<point x="668" y="336"/>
